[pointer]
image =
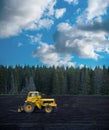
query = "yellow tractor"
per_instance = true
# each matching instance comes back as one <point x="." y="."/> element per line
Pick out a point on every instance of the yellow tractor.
<point x="35" y="100"/>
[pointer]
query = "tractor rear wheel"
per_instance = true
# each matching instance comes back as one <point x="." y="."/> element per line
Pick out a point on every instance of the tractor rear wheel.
<point x="29" y="107"/>
<point x="48" y="109"/>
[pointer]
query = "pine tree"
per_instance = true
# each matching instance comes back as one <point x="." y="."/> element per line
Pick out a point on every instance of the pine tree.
<point x="105" y="81"/>
<point x="85" y="81"/>
<point x="70" y="80"/>
<point x="97" y="80"/>
<point x="56" y="83"/>
<point x="3" y="80"/>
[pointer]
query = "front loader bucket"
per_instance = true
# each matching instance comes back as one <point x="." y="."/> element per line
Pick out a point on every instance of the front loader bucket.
<point x="20" y="109"/>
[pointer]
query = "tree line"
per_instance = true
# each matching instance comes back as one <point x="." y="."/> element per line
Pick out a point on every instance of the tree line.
<point x="54" y="80"/>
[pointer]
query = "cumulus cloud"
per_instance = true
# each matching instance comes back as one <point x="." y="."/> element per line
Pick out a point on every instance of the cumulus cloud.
<point x="59" y="12"/>
<point x="85" y="44"/>
<point x="49" y="56"/>
<point x="75" y="2"/>
<point x="97" y="26"/>
<point x="34" y="39"/>
<point x="94" y="12"/>
<point x="16" y="15"/>
<point x="70" y="41"/>
<point x="44" y="23"/>
<point x="97" y="8"/>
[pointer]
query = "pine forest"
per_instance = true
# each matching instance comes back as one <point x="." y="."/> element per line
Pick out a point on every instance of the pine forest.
<point x="54" y="80"/>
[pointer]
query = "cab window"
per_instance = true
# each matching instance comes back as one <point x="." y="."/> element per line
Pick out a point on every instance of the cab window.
<point x="33" y="94"/>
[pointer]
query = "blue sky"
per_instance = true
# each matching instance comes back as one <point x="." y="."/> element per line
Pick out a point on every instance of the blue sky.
<point x="54" y="32"/>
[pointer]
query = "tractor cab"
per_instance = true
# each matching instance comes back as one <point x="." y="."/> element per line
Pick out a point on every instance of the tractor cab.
<point x="33" y="96"/>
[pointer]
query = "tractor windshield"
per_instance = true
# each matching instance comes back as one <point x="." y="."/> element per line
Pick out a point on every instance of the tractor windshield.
<point x="33" y="94"/>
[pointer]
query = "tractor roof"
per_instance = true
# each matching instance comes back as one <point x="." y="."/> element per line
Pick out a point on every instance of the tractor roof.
<point x="33" y="92"/>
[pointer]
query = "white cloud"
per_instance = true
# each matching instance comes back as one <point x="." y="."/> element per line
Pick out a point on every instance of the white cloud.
<point x="107" y="50"/>
<point x="96" y="8"/>
<point x="49" y="56"/>
<point x="64" y="27"/>
<point x="94" y="12"/>
<point x="85" y="44"/>
<point x="70" y="40"/>
<point x="59" y="12"/>
<point x="34" y="39"/>
<point x="92" y="23"/>
<point x="72" y="1"/>
<point x="50" y="10"/>
<point x="42" y="23"/>
<point x="45" y="23"/>
<point x="19" y="44"/>
<point x="16" y="15"/>
<point x="81" y="66"/>
<point x="97" y="27"/>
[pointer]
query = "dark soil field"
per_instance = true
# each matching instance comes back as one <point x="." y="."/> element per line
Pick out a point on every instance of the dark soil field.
<point x="73" y="113"/>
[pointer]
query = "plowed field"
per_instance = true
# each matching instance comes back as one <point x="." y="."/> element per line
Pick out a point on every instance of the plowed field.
<point x="73" y="113"/>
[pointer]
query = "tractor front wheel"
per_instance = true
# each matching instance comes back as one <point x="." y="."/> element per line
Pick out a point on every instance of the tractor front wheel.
<point x="29" y="107"/>
<point x="48" y="109"/>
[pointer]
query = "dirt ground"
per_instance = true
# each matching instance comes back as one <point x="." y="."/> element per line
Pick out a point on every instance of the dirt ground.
<point x="72" y="113"/>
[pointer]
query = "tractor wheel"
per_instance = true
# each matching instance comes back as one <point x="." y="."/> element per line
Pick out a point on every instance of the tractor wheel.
<point x="48" y="109"/>
<point x="29" y="107"/>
